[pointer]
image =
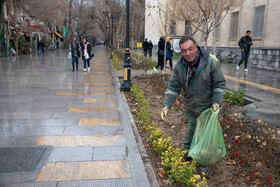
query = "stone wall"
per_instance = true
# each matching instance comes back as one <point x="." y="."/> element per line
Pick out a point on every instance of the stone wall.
<point x="265" y="58"/>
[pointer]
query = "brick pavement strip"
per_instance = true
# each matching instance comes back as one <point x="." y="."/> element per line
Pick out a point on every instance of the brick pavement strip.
<point x="99" y="121"/>
<point x="69" y="171"/>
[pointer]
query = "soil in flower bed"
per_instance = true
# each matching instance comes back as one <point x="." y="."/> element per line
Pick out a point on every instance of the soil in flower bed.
<point x="232" y="170"/>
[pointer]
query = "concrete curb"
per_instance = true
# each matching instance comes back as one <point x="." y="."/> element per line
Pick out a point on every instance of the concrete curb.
<point x="134" y="151"/>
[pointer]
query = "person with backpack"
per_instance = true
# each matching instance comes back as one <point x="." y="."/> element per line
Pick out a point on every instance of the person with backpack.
<point x="86" y="47"/>
<point x="75" y="51"/>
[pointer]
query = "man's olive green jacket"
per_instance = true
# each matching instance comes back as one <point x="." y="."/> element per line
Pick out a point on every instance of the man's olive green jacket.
<point x="207" y="86"/>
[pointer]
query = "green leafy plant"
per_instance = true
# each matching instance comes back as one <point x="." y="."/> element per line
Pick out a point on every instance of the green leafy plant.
<point x="176" y="167"/>
<point x="234" y="97"/>
<point x="116" y="63"/>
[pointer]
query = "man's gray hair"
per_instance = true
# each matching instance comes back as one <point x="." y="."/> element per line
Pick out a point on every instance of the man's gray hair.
<point x="187" y="38"/>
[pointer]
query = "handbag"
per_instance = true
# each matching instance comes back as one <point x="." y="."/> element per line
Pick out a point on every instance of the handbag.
<point x="86" y="55"/>
<point x="69" y="55"/>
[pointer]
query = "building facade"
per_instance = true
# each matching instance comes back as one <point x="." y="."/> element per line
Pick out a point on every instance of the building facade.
<point x="260" y="16"/>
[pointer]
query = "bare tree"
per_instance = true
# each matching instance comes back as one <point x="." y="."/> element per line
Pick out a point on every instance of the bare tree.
<point x="205" y="15"/>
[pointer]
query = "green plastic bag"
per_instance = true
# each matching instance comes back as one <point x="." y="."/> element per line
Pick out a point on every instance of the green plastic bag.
<point x="208" y="146"/>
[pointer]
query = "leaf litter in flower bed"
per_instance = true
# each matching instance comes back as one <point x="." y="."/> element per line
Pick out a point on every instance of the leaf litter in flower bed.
<point x="254" y="141"/>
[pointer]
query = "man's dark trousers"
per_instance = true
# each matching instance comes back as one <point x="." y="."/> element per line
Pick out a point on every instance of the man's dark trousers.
<point x="245" y="57"/>
<point x="145" y="53"/>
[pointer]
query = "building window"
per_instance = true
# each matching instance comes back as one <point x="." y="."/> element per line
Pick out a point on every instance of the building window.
<point x="258" y="22"/>
<point x="234" y="25"/>
<point x="187" y="28"/>
<point x="173" y="28"/>
<point x="217" y="32"/>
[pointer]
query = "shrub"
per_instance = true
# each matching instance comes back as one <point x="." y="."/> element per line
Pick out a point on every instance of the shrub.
<point x="234" y="97"/>
<point x="116" y="63"/>
<point x="176" y="167"/>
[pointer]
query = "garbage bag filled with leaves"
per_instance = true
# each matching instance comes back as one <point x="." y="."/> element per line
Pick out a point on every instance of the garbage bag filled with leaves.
<point x="208" y="146"/>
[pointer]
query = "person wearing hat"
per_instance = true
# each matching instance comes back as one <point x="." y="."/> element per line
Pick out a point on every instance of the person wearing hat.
<point x="75" y="51"/>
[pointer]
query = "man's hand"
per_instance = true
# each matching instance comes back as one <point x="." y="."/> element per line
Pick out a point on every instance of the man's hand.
<point x="215" y="107"/>
<point x="242" y="50"/>
<point x="164" y="112"/>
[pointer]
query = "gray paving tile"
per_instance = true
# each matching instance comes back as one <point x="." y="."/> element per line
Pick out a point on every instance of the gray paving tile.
<point x="62" y="154"/>
<point x="97" y="104"/>
<point x="34" y="184"/>
<point x="100" y="183"/>
<point x="109" y="153"/>
<point x="93" y="130"/>
<point x="85" y="115"/>
<point x="26" y="115"/>
<point x="15" y="141"/>
<point x="31" y="131"/>
<point x="39" y="122"/>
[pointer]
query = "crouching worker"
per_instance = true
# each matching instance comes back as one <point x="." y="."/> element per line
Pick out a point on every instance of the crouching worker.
<point x="200" y="76"/>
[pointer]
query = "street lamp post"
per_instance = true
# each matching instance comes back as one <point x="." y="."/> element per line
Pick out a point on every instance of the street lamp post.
<point x="127" y="65"/>
<point x="112" y="36"/>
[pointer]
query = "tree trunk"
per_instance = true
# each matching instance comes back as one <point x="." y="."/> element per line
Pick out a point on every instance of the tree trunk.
<point x="69" y="27"/>
<point x="214" y="28"/>
<point x="17" y="37"/>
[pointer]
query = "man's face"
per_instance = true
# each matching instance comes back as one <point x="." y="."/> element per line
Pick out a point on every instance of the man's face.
<point x="248" y="34"/>
<point x="188" y="50"/>
<point x="74" y="38"/>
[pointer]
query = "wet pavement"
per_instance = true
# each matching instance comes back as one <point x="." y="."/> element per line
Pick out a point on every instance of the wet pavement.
<point x="80" y="119"/>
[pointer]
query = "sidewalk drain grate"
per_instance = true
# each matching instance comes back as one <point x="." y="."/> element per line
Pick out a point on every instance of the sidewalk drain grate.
<point x="20" y="159"/>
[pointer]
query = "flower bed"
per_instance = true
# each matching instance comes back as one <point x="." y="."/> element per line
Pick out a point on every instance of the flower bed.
<point x="176" y="167"/>
<point x="253" y="149"/>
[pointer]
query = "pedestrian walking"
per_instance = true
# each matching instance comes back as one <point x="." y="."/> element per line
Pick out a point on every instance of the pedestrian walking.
<point x="86" y="47"/>
<point x="75" y="51"/>
<point x="200" y="76"/>
<point x="161" y="48"/>
<point x="245" y="43"/>
<point x="42" y="46"/>
<point x="57" y="44"/>
<point x="169" y="53"/>
<point x="145" y="46"/>
<point x="150" y="48"/>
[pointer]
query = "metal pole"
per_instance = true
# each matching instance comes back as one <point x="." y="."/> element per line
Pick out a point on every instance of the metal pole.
<point x="3" y="38"/>
<point x="112" y="37"/>
<point x="127" y="65"/>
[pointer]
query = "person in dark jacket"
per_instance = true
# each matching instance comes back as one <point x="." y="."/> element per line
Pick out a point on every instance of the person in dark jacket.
<point x="146" y="47"/>
<point x="199" y="74"/>
<point x="86" y="47"/>
<point x="41" y="45"/>
<point x="150" y="48"/>
<point x="75" y="49"/>
<point x="161" y="48"/>
<point x="169" y="53"/>
<point x="245" y="43"/>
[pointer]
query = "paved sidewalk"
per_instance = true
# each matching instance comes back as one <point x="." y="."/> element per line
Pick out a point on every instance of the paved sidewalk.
<point x="78" y="124"/>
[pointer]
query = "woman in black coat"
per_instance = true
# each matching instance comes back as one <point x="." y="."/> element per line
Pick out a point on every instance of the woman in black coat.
<point x="161" y="48"/>
<point x="86" y="47"/>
